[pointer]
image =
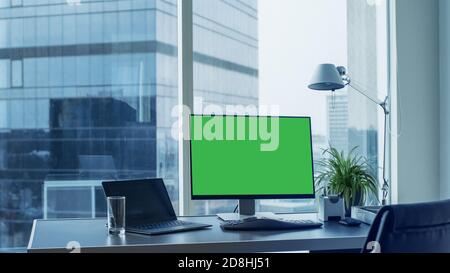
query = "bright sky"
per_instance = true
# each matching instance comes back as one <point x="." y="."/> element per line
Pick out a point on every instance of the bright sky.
<point x="295" y="36"/>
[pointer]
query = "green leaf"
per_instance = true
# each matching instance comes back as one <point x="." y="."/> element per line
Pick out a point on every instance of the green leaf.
<point x="350" y="176"/>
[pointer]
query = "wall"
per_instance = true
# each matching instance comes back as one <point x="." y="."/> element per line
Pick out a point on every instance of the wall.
<point x="444" y="52"/>
<point x="417" y="148"/>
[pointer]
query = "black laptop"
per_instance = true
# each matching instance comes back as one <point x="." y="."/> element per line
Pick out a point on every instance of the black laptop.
<point x="148" y="207"/>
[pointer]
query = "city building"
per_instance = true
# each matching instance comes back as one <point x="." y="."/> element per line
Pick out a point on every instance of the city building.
<point x="344" y="137"/>
<point x="337" y="111"/>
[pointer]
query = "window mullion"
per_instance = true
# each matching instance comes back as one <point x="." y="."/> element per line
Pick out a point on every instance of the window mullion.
<point x="186" y="97"/>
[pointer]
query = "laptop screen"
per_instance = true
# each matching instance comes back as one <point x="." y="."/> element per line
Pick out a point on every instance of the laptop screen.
<point x="147" y="201"/>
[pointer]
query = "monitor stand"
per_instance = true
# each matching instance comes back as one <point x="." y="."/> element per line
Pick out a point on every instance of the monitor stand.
<point x="247" y="209"/>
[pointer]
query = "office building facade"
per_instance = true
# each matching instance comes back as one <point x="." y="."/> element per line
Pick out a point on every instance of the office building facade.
<point x="337" y="111"/>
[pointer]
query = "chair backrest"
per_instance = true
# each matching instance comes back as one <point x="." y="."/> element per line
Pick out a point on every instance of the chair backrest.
<point x="411" y="228"/>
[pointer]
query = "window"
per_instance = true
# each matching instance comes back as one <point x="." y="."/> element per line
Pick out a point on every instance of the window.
<point x="226" y="67"/>
<point x="368" y="56"/>
<point x="263" y="53"/>
<point x="4" y="73"/>
<point x="83" y="99"/>
<point x="16" y="3"/>
<point x="16" y="73"/>
<point x="88" y="88"/>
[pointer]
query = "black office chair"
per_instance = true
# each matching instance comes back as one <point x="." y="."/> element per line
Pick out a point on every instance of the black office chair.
<point x="412" y="228"/>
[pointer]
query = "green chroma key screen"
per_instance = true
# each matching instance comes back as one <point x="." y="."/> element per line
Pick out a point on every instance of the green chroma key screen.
<point x="236" y="157"/>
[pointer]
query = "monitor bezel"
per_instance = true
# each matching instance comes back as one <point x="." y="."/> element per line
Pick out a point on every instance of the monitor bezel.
<point x="251" y="197"/>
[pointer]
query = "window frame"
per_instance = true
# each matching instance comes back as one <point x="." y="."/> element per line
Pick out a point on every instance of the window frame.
<point x="186" y="98"/>
<point x="12" y="73"/>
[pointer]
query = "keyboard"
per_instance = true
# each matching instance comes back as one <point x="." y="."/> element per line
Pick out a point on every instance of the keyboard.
<point x="269" y="224"/>
<point x="165" y="227"/>
<point x="161" y="225"/>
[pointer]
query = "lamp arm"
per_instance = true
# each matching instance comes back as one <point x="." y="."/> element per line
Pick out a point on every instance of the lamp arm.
<point x="356" y="88"/>
<point x="385" y="187"/>
<point x="384" y="106"/>
<point x="348" y="82"/>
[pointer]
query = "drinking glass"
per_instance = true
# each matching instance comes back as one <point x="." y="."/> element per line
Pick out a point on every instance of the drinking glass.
<point x="116" y="215"/>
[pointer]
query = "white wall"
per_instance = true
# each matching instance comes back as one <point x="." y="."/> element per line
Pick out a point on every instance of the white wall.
<point x="417" y="149"/>
<point x="444" y="52"/>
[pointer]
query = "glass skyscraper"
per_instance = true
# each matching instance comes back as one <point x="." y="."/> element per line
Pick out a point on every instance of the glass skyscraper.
<point x="87" y="89"/>
<point x="337" y="111"/>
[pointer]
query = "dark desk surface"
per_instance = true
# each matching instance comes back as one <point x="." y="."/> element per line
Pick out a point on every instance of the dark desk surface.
<point x="92" y="236"/>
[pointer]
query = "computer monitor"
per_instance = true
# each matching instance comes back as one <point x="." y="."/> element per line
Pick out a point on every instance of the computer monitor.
<point x="251" y="157"/>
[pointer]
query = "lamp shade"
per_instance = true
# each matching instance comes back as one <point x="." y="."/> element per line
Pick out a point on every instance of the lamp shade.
<point x="326" y="78"/>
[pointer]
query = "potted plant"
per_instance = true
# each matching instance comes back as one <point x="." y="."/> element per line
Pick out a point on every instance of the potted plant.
<point x="348" y="176"/>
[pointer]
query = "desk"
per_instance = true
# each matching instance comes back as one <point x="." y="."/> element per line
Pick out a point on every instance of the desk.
<point x="91" y="234"/>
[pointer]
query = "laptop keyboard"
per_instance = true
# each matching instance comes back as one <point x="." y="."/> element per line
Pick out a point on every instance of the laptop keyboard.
<point x="163" y="225"/>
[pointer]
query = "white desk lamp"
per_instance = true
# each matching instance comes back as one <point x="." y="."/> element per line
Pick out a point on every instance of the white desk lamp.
<point x="328" y="77"/>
